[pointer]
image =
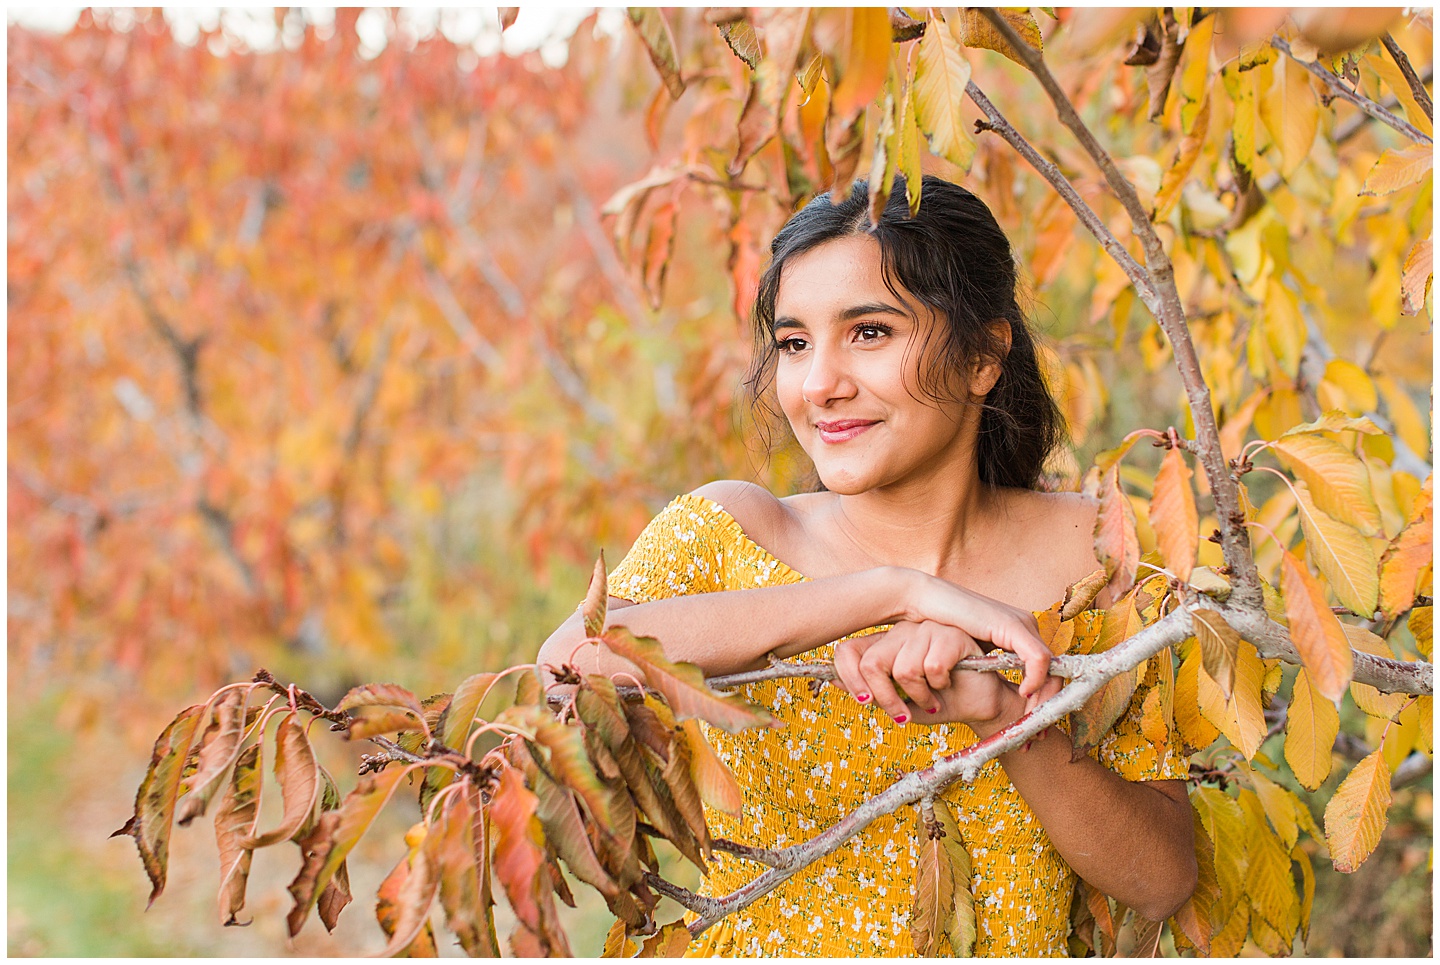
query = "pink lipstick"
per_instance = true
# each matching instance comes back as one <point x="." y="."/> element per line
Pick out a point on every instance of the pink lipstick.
<point x="843" y="430"/>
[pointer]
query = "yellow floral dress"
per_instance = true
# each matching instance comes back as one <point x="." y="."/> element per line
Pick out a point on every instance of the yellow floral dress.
<point x="832" y="753"/>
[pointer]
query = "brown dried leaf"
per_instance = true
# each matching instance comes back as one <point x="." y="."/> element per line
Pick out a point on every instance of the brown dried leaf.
<point x="234" y="823"/>
<point x="669" y="942"/>
<point x="405" y="897"/>
<point x="1082" y="593"/>
<point x="597" y="595"/>
<point x="742" y="40"/>
<point x="299" y="775"/>
<point x="155" y="801"/>
<point x="219" y="747"/>
<point x="334" y="836"/>
<point x="1196" y="918"/>
<point x="973" y="30"/>
<point x="381" y="695"/>
<point x="1219" y="648"/>
<point x="618" y="943"/>
<point x="334" y="898"/>
<point x="683" y="685"/>
<point x="367" y="722"/>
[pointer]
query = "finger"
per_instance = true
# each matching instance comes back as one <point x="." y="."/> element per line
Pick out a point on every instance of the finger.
<point x="847" y="668"/>
<point x="948" y="647"/>
<point x="910" y="671"/>
<point x="875" y="669"/>
<point x="1019" y="640"/>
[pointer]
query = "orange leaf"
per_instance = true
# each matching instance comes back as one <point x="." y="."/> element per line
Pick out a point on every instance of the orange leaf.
<point x="1173" y="515"/>
<point x="1315" y="631"/>
<point x="1355" y="817"/>
<point x="1116" y="544"/>
<point x="299" y="775"/>
<point x="1408" y="554"/>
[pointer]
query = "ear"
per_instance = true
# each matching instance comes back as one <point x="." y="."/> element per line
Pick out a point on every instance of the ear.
<point x="987" y="368"/>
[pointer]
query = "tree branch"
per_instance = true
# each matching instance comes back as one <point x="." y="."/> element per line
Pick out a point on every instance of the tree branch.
<point x="1234" y="542"/>
<point x="1356" y="122"/>
<point x="1364" y="103"/>
<point x="1422" y="96"/>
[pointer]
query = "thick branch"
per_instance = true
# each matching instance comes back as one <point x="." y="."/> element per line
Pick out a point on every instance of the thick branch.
<point x="964" y="765"/>
<point x="1383" y="673"/>
<point x="1417" y="87"/>
<point x="1364" y="103"/>
<point x="1235" y="543"/>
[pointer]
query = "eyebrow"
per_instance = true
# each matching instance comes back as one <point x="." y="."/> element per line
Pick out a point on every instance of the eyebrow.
<point x="849" y="314"/>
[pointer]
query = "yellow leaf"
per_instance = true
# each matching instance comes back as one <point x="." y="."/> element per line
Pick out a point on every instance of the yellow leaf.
<point x="1415" y="282"/>
<point x="1241" y="718"/>
<point x="1398" y="169"/>
<point x="1219" y="644"/>
<point x="1240" y="85"/>
<point x="1391" y="74"/>
<point x="1307" y="898"/>
<point x="1409" y="553"/>
<point x="1279" y="805"/>
<point x="1230" y="939"/>
<point x="1409" y="423"/>
<point x="940" y="78"/>
<point x="858" y="40"/>
<point x="973" y="30"/>
<point x="1338" y="480"/>
<point x="1399" y="740"/>
<point x="1351" y="387"/>
<point x="1335" y="420"/>
<point x="1421" y="624"/>
<point x="1224" y="822"/>
<point x="1185" y="156"/>
<point x="1311" y="725"/>
<point x="908" y="135"/>
<point x="1314" y="630"/>
<point x="1195" y="730"/>
<point x="1369" y="699"/>
<point x="1284" y="326"/>
<point x="1152" y="717"/>
<point x="1173" y="515"/>
<point x="1344" y="557"/>
<point x="1355" y="817"/>
<point x="1267" y="878"/>
<point x="1425" y="740"/>
<point x="1291" y="113"/>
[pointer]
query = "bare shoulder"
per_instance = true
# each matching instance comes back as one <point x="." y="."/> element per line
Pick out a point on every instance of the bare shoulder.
<point x="1060" y="527"/>
<point x="760" y="514"/>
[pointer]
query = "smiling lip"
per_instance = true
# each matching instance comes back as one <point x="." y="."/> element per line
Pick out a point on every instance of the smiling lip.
<point x="843" y="430"/>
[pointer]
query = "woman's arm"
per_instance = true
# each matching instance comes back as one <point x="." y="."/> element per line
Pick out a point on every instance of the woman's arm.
<point x="1132" y="840"/>
<point x="733" y="630"/>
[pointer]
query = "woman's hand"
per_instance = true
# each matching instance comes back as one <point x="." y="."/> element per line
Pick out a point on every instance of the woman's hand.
<point x="920" y="659"/>
<point x="982" y="619"/>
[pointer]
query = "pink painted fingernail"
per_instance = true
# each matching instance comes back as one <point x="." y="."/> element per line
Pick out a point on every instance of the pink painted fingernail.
<point x="933" y="710"/>
<point x="862" y="697"/>
<point x="901" y="719"/>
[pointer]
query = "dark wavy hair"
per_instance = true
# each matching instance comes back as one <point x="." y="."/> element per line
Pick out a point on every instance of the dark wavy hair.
<point x="954" y="259"/>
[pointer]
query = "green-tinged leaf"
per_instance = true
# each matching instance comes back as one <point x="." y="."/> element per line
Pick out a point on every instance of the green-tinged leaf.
<point x="299" y="775"/>
<point x="742" y="40"/>
<point x="1355" y="817"/>
<point x="1117" y="546"/>
<point x="1219" y="645"/>
<point x="1241" y="718"/>
<point x="1407" y="556"/>
<point x="1314" y="630"/>
<point x="1345" y="557"/>
<point x="1338" y="481"/>
<point x="235" y="823"/>
<point x="335" y="835"/>
<point x="1399" y="168"/>
<point x="1311" y="725"/>
<point x="219" y="747"/>
<point x="654" y="30"/>
<point x="683" y="685"/>
<point x="1336" y="421"/>
<point x="669" y="942"/>
<point x="155" y="801"/>
<point x="973" y="30"/>
<point x="521" y="866"/>
<point x="1370" y="699"/>
<point x="464" y="707"/>
<point x="715" y="782"/>
<point x="941" y="74"/>
<point x="559" y="814"/>
<point x="618" y="943"/>
<point x="1173" y="515"/>
<point x="334" y="898"/>
<point x="1228" y="941"/>
<point x="1224" y="823"/>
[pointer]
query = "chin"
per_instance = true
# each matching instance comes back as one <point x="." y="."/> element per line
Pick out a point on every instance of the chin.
<point x="842" y="483"/>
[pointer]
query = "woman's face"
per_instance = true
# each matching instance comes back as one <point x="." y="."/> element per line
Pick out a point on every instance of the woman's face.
<point x="848" y="373"/>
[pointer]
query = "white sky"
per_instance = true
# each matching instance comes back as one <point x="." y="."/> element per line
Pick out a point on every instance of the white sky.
<point x="544" y="27"/>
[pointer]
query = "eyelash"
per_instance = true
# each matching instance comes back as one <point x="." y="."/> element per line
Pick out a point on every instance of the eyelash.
<point x="787" y="346"/>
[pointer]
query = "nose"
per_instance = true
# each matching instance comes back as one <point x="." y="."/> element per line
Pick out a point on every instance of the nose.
<point x="828" y="378"/>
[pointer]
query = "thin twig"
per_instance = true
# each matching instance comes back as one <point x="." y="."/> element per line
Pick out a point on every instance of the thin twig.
<point x="1357" y="122"/>
<point x="1359" y="100"/>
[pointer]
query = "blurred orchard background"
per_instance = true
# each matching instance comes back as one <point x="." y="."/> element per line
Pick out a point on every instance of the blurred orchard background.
<point x="335" y="347"/>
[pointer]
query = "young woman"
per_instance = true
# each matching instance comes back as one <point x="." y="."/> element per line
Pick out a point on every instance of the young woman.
<point x="900" y="358"/>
